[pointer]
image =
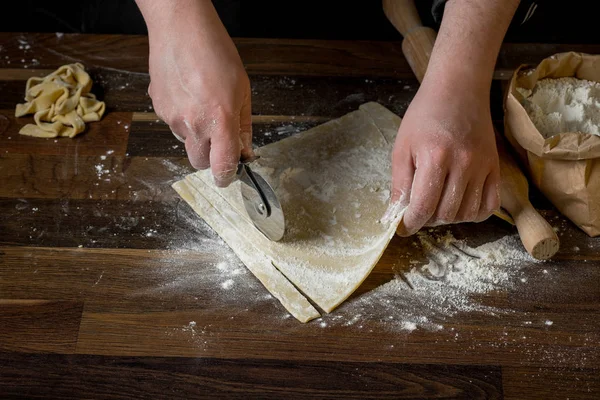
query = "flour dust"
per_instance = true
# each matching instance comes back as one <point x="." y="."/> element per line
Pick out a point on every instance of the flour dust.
<point x="451" y="281"/>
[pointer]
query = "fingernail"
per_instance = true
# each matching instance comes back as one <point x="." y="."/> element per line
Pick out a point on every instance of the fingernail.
<point x="223" y="181"/>
<point x="250" y="158"/>
<point x="394" y="212"/>
<point x="178" y="137"/>
<point x="225" y="178"/>
<point x="401" y="230"/>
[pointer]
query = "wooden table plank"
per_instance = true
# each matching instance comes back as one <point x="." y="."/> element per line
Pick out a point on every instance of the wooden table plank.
<point x="108" y="135"/>
<point x="75" y="377"/>
<point x="122" y="90"/>
<point x="106" y="177"/>
<point x="523" y="383"/>
<point x="37" y="325"/>
<point x="271" y="95"/>
<point x="198" y="332"/>
<point x="134" y="223"/>
<point x="261" y="56"/>
<point x="86" y="274"/>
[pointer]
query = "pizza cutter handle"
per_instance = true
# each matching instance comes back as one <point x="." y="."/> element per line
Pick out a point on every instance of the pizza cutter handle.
<point x="246" y="175"/>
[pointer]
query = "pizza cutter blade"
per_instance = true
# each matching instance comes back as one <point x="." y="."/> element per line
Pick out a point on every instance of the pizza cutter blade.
<point x="261" y="203"/>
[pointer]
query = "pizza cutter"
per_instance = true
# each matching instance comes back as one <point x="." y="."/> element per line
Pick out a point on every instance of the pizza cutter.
<point x="261" y="203"/>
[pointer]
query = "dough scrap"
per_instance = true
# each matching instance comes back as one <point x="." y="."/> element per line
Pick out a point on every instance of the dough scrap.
<point x="333" y="183"/>
<point x="61" y="103"/>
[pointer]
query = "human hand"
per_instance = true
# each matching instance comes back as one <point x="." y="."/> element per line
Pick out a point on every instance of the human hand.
<point x="200" y="89"/>
<point x="445" y="161"/>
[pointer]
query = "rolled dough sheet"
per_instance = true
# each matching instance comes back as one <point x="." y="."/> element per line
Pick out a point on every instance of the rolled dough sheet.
<point x="333" y="182"/>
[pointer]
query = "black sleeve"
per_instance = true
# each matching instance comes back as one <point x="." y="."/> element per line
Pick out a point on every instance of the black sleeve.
<point x="525" y="11"/>
<point x="437" y="10"/>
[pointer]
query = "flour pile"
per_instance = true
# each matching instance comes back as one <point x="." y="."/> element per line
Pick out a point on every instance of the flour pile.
<point x="563" y="105"/>
<point x="454" y="279"/>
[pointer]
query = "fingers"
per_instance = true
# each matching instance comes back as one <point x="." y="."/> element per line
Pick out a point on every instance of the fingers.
<point x="491" y="196"/>
<point x="247" y="152"/>
<point x="453" y="197"/>
<point x="471" y="201"/>
<point x="425" y="195"/>
<point x="216" y="143"/>
<point x="198" y="151"/>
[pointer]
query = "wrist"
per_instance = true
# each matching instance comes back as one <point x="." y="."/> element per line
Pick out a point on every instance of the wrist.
<point x="165" y="17"/>
<point x="463" y="81"/>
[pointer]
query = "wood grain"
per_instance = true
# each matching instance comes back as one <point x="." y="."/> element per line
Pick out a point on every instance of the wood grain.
<point x="99" y="138"/>
<point x="99" y="223"/>
<point x="550" y="383"/>
<point x="289" y="95"/>
<point x="256" y="119"/>
<point x="129" y="54"/>
<point x="90" y="177"/>
<point x="76" y="377"/>
<point x="36" y="325"/>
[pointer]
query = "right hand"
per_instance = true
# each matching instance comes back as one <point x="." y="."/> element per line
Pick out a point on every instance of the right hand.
<point x="200" y="89"/>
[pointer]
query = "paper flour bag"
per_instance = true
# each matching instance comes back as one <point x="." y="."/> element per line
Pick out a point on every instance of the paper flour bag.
<point x="544" y="124"/>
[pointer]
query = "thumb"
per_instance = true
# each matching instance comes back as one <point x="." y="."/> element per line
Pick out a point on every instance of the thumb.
<point x="225" y="151"/>
<point x="403" y="172"/>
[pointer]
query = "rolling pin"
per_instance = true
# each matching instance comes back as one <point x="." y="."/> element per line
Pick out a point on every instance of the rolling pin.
<point x="537" y="236"/>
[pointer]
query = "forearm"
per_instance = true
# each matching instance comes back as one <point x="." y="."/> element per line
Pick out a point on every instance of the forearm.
<point x="468" y="43"/>
<point x="196" y="19"/>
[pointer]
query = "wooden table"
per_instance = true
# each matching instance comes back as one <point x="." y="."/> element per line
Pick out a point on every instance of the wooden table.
<point x="111" y="287"/>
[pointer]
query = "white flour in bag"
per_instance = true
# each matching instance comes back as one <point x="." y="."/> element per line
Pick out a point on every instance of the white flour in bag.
<point x="563" y="105"/>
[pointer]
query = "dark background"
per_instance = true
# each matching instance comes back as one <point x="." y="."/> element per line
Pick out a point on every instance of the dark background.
<point x="553" y="22"/>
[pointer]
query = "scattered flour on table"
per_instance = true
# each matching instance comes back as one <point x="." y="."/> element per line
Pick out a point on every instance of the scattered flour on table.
<point x="100" y="170"/>
<point x="198" y="265"/>
<point x="191" y="327"/>
<point x="563" y="105"/>
<point x="454" y="279"/>
<point x="227" y="284"/>
<point x="451" y="279"/>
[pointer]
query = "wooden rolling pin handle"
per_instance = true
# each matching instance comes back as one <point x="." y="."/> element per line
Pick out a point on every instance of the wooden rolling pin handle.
<point x="402" y="14"/>
<point x="417" y="47"/>
<point x="418" y="40"/>
<point x="537" y="236"/>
